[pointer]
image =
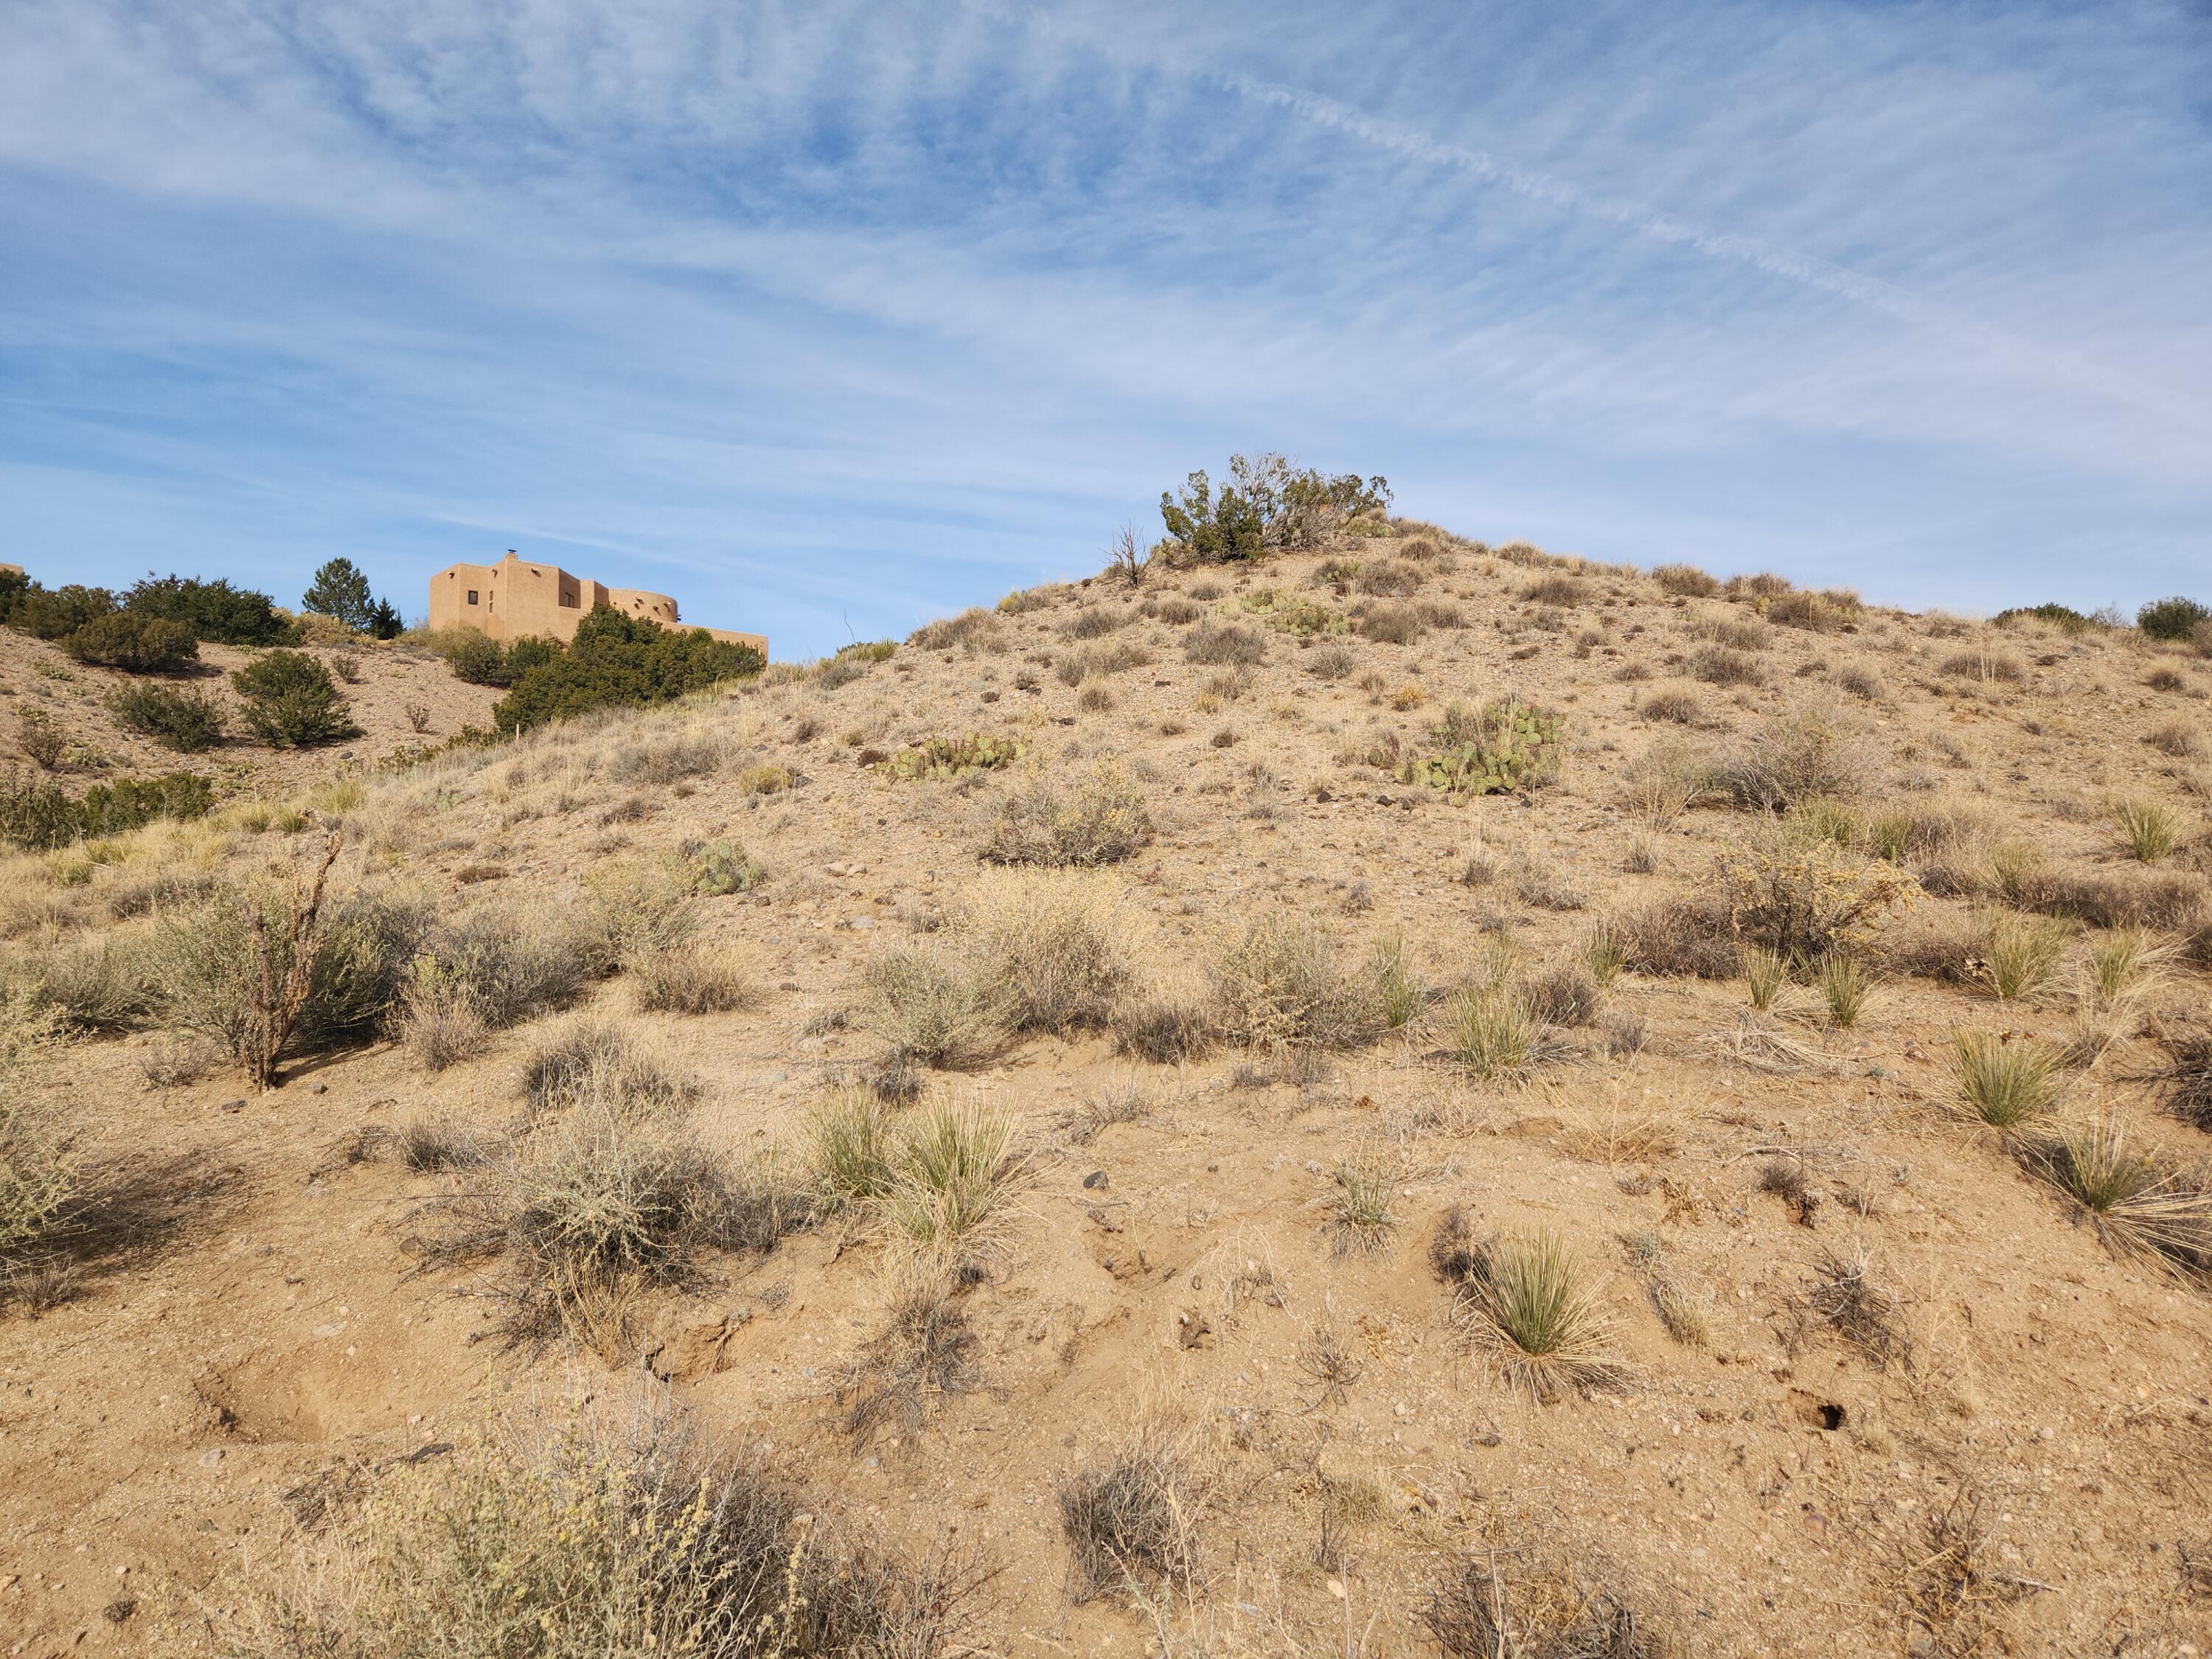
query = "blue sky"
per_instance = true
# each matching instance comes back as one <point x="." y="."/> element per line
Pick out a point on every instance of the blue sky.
<point x="829" y="317"/>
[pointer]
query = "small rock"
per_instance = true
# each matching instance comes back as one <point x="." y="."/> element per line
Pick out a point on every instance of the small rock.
<point x="319" y="1088"/>
<point x="862" y="924"/>
<point x="210" y="1457"/>
<point x="233" y="1105"/>
<point x="1313" y="1166"/>
<point x="1095" y="1180"/>
<point x="119" y="1609"/>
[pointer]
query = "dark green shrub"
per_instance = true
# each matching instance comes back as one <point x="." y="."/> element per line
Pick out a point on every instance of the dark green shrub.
<point x="135" y="644"/>
<point x="2064" y="617"/>
<point x="187" y="721"/>
<point x="2176" y="618"/>
<point x="479" y="659"/>
<point x="291" y="701"/>
<point x="619" y="661"/>
<point x="14" y="584"/>
<point x="57" y="614"/>
<point x="39" y="815"/>
<point x="214" y="611"/>
<point x="1266" y="504"/>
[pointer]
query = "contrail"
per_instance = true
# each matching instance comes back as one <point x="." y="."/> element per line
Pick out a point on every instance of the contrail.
<point x="2082" y="372"/>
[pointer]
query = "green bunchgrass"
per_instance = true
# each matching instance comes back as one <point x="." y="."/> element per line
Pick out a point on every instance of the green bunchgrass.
<point x="1365" y="1185"/>
<point x="2140" y="1207"/>
<point x="1766" y="976"/>
<point x="1523" y="1299"/>
<point x="1400" y="995"/>
<point x="954" y="1169"/>
<point x="2006" y="1082"/>
<point x="2018" y="956"/>
<point x="854" y="1148"/>
<point x="1846" y="987"/>
<point x="1489" y="1031"/>
<point x="2149" y="829"/>
<point x="1605" y="953"/>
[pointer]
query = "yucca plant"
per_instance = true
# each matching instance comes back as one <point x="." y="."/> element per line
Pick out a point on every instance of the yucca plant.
<point x="2006" y="1081"/>
<point x="1766" y="976"/>
<point x="1845" y="987"/>
<point x="1523" y="1298"/>
<point x="853" y="1148"/>
<point x="2139" y="1208"/>
<point x="1605" y="953"/>
<point x="1489" y="1031"/>
<point x="2119" y="962"/>
<point x="2018" y="954"/>
<point x="2150" y="829"/>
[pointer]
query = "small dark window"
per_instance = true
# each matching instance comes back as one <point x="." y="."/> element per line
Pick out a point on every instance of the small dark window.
<point x="568" y="599"/>
<point x="472" y="596"/>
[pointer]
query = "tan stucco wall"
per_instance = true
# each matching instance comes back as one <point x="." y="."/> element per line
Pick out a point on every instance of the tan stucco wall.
<point x="518" y="597"/>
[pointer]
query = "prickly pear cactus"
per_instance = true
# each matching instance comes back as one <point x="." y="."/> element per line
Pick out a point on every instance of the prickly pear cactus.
<point x="722" y="867"/>
<point x="957" y="757"/>
<point x="1514" y="746"/>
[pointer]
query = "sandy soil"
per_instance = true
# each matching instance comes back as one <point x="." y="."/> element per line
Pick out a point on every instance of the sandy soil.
<point x="263" y="1334"/>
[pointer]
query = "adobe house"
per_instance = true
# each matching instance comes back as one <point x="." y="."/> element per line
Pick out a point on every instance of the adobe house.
<point x="517" y="597"/>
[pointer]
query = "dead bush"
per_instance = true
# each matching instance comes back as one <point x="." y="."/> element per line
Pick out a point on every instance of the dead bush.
<point x="1057" y="951"/>
<point x="1691" y="935"/>
<point x="1281" y="985"/>
<point x="1104" y="821"/>
<point x="1166" y="1030"/>
<point x="692" y="979"/>
<point x="931" y="1007"/>
<point x="594" y="1056"/>
<point x="1718" y="665"/>
<point x="101" y="987"/>
<point x="1387" y="623"/>
<point x="1805" y="899"/>
<point x="976" y="628"/>
<point x="1677" y="705"/>
<point x="1226" y="645"/>
<point x="1686" y="580"/>
<point x="922" y="1357"/>
<point x="607" y="1528"/>
<point x="1810" y="754"/>
<point x="1130" y="1518"/>
<point x="1529" y="1600"/>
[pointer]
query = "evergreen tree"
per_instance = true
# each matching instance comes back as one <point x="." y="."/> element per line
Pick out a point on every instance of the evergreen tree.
<point x="340" y="590"/>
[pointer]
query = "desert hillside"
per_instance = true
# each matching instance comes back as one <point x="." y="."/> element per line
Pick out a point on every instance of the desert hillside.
<point x="1407" y="1097"/>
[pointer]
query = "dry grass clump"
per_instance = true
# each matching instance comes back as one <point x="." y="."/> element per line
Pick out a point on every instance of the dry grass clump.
<point x="441" y="1020"/>
<point x="1281" y="985"/>
<point x="1102" y="821"/>
<point x="692" y="979"/>
<point x="1954" y="1599"/>
<point x="2187" y="1075"/>
<point x="1985" y="666"/>
<point x="1677" y="705"/>
<point x="1531" y="1601"/>
<point x="2172" y="899"/>
<point x="1226" y="645"/>
<point x="1809" y="754"/>
<point x="1662" y="783"/>
<point x="976" y="628"/>
<point x="1557" y="588"/>
<point x="1689" y="935"/>
<point x="632" y="911"/>
<point x="2175" y="740"/>
<point x="922" y="1357"/>
<point x="1564" y="995"/>
<point x="1095" y="621"/>
<point x="1388" y="622"/>
<point x="2139" y="1206"/>
<point x="429" y="1145"/>
<point x="1718" y="665"/>
<point x="1844" y="1299"/>
<point x="594" y="1055"/>
<point x="513" y="965"/>
<point x="853" y="1149"/>
<point x="1099" y="661"/>
<point x="2007" y="1081"/>
<point x="604" y="1528"/>
<point x="1131" y="1518"/>
<point x="1684" y="581"/>
<point x="1057" y="950"/>
<point x="1492" y="1032"/>
<point x="1521" y="1299"/>
<point x="932" y="1007"/>
<point x="607" y="1192"/>
<point x="1365" y="1185"/>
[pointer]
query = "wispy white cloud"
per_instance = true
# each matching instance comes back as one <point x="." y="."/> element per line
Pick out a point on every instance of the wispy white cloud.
<point x="838" y="307"/>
